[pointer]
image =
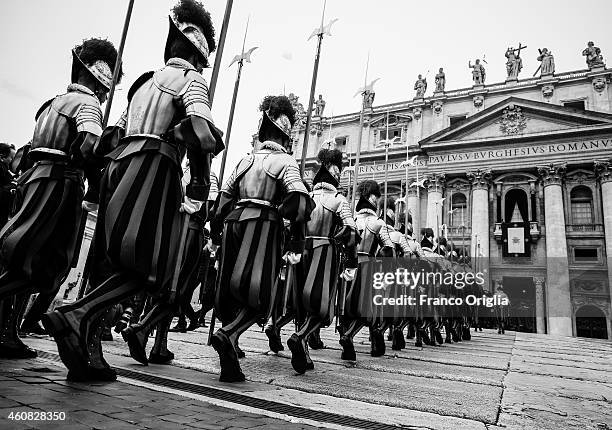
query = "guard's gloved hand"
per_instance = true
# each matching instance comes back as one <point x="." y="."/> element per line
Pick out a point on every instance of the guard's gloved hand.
<point x="190" y="206"/>
<point x="89" y="206"/>
<point x="348" y="274"/>
<point x="292" y="258"/>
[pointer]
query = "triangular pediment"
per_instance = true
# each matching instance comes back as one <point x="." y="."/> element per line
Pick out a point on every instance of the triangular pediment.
<point x="518" y="119"/>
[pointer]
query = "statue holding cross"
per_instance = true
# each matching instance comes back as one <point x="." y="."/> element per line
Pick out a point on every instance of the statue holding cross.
<point x="514" y="62"/>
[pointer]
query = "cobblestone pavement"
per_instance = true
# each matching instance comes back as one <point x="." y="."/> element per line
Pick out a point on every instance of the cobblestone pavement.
<point x="515" y="381"/>
<point x="35" y="386"/>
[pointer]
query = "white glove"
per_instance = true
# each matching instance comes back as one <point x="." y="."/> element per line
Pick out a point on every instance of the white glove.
<point x="189" y="206"/>
<point x="89" y="206"/>
<point x="292" y="258"/>
<point x="348" y="274"/>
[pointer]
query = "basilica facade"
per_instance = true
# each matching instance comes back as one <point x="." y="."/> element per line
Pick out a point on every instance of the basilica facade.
<point x="518" y="172"/>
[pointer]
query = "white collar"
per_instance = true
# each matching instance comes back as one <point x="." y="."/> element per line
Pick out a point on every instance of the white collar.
<point x="80" y="88"/>
<point x="180" y="63"/>
<point x="273" y="146"/>
<point x="325" y="186"/>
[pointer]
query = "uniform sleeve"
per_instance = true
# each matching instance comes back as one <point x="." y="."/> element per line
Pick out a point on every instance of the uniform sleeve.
<point x="348" y="234"/>
<point x="109" y="140"/>
<point x="197" y="131"/>
<point x="297" y="205"/>
<point x="89" y="119"/>
<point x="386" y="244"/>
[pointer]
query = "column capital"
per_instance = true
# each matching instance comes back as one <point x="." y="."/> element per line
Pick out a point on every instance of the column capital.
<point x="435" y="182"/>
<point x="603" y="170"/>
<point x="552" y="174"/>
<point x="411" y="191"/>
<point x="480" y="179"/>
<point x="538" y="281"/>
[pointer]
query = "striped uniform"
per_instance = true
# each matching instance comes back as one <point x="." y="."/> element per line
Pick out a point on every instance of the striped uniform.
<point x="142" y="187"/>
<point x="38" y="244"/>
<point x="330" y="229"/>
<point x="265" y="187"/>
<point x="374" y="235"/>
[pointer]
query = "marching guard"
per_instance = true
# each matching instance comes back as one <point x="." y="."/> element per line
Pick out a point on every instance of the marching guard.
<point x="330" y="232"/>
<point x="358" y="308"/>
<point x="264" y="188"/>
<point x="38" y="244"/>
<point x="160" y="315"/>
<point x="168" y="115"/>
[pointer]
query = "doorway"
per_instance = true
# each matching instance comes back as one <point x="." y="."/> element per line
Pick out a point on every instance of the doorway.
<point x="522" y="296"/>
<point x="591" y="322"/>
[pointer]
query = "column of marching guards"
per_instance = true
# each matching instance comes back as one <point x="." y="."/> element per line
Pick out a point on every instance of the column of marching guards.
<point x="286" y="253"/>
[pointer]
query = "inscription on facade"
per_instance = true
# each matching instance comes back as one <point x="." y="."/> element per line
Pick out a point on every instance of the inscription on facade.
<point x="505" y="153"/>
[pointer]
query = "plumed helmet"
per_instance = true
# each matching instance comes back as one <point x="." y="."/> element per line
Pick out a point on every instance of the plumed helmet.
<point x="190" y="22"/>
<point x="327" y="158"/>
<point x="277" y="112"/>
<point x="368" y="187"/>
<point x="98" y="57"/>
<point x="330" y="157"/>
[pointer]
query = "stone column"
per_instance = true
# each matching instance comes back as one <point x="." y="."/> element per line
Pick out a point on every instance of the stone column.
<point x="479" y="251"/>
<point x="558" y="296"/>
<point x="435" y="186"/>
<point x="540" y="305"/>
<point x="414" y="207"/>
<point x="480" y="211"/>
<point x="603" y="169"/>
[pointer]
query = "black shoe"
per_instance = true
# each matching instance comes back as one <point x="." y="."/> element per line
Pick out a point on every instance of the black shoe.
<point x="230" y="367"/>
<point x="105" y="374"/>
<point x="399" y="342"/>
<point x="35" y="328"/>
<point x="73" y="354"/>
<point x="348" y="349"/>
<point x="192" y="325"/>
<point x="425" y="337"/>
<point x="239" y="352"/>
<point x="137" y="347"/>
<point x="93" y="374"/>
<point x="179" y="328"/>
<point x="17" y="351"/>
<point x="467" y="335"/>
<point x="315" y="342"/>
<point x="418" y="343"/>
<point x="274" y="340"/>
<point x="161" y="357"/>
<point x="438" y="336"/>
<point x="298" y="354"/>
<point x="378" y="343"/>
<point x="410" y="333"/>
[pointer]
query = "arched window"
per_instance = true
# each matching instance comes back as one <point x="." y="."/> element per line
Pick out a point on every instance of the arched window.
<point x="581" y="202"/>
<point x="459" y="208"/>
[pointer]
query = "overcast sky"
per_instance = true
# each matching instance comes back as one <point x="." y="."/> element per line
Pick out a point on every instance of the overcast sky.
<point x="404" y="38"/>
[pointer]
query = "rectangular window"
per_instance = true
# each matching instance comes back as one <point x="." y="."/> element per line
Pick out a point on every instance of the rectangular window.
<point x="582" y="212"/>
<point x="456" y="119"/>
<point x="341" y="142"/>
<point x="575" y="104"/>
<point x="583" y="255"/>
<point x="393" y="133"/>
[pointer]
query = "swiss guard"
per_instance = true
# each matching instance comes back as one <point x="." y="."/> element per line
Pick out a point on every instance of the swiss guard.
<point x="139" y="224"/>
<point x="38" y="244"/>
<point x="375" y="239"/>
<point x="264" y="188"/>
<point x="330" y="233"/>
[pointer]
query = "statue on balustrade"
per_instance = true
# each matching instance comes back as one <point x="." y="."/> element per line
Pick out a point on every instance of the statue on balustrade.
<point x="478" y="72"/>
<point x="440" y="80"/>
<point x="593" y="56"/>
